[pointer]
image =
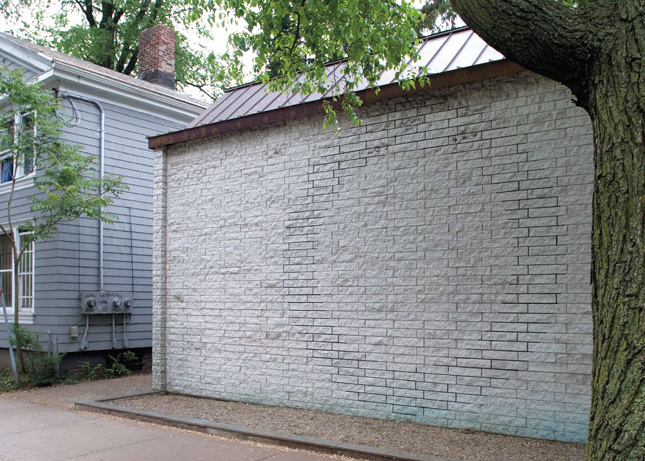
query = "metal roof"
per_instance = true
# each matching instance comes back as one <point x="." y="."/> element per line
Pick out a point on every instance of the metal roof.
<point x="439" y="53"/>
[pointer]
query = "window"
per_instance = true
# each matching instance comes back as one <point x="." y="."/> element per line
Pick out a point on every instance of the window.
<point x="25" y="298"/>
<point x="25" y="123"/>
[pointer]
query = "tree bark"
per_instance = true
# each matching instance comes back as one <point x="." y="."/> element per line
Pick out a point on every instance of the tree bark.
<point x="16" y="312"/>
<point x="598" y="51"/>
<point x="11" y="234"/>
<point x="617" y="109"/>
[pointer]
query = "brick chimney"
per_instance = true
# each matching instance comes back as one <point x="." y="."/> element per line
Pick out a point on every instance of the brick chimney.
<point x="157" y="56"/>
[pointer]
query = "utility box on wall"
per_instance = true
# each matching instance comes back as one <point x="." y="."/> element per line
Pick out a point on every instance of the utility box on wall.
<point x="105" y="302"/>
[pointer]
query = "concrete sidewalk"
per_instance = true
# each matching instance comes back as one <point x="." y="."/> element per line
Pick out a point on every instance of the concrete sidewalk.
<point x="32" y="431"/>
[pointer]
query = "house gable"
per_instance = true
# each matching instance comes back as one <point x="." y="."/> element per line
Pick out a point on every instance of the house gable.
<point x="31" y="63"/>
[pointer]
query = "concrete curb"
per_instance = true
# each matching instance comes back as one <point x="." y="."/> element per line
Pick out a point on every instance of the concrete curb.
<point x="104" y="406"/>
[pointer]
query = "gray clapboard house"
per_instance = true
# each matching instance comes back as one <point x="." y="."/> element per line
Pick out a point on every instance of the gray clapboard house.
<point x="89" y="288"/>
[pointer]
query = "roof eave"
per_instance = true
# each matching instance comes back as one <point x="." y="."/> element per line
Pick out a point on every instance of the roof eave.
<point x="437" y="81"/>
<point x="121" y="92"/>
<point x="25" y="56"/>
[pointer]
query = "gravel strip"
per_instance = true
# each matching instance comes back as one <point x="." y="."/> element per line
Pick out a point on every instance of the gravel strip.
<point x="64" y="396"/>
<point x="467" y="445"/>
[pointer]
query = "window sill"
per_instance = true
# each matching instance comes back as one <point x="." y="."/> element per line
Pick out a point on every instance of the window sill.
<point x="26" y="317"/>
<point x="21" y="183"/>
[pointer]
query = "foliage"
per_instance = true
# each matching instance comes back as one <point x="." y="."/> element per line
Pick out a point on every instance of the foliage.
<point x="90" y="371"/>
<point x="119" y="365"/>
<point x="299" y="37"/>
<point x="6" y="380"/>
<point x="67" y="179"/>
<point x="107" y="33"/>
<point x="291" y="39"/>
<point x="42" y="367"/>
<point x="437" y="15"/>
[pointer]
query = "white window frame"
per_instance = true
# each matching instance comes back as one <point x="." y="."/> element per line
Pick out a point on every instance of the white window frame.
<point x="22" y="179"/>
<point x="28" y="275"/>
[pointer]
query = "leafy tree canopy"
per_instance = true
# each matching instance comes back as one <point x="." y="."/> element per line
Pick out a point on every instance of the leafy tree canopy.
<point x="107" y="33"/>
<point x="288" y="37"/>
<point x="299" y="37"/>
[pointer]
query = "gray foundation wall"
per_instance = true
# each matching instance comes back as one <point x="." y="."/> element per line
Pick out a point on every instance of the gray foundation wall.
<point x="430" y="265"/>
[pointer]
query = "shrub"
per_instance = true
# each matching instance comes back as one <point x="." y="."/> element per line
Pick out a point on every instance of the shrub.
<point x="42" y="368"/>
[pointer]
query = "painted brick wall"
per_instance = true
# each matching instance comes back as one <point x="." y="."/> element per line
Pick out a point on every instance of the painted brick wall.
<point x="430" y="265"/>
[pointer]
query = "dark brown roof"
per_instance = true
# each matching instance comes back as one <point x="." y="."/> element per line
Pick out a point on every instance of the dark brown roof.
<point x="452" y="58"/>
<point x="438" y="53"/>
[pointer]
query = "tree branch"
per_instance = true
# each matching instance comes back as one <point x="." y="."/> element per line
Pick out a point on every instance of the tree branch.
<point x="125" y="52"/>
<point x="544" y="36"/>
<point x="155" y="12"/>
<point x="117" y="16"/>
<point x="107" y="9"/>
<point x="130" y="52"/>
<point x="88" y="11"/>
<point x="213" y="96"/>
<point x="143" y="10"/>
<point x="129" y="68"/>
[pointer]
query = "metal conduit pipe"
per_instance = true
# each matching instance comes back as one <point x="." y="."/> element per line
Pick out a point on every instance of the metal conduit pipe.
<point x="101" y="171"/>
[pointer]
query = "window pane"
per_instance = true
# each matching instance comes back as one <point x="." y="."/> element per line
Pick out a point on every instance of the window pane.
<point x="26" y="276"/>
<point x="6" y="169"/>
<point x="5" y="253"/>
<point x="7" y="285"/>
<point x="6" y="134"/>
<point x="28" y="129"/>
<point x="28" y="165"/>
<point x="6" y="268"/>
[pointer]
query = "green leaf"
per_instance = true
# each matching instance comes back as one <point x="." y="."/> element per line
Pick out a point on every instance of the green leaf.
<point x="66" y="178"/>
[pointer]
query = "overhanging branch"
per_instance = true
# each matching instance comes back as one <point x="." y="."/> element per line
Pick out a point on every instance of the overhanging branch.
<point x="544" y="36"/>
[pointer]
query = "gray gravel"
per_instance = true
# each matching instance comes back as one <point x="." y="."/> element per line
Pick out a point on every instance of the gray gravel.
<point x="467" y="445"/>
<point x="449" y="443"/>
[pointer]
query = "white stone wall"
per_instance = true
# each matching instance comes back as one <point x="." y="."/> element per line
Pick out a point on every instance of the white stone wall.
<point x="431" y="264"/>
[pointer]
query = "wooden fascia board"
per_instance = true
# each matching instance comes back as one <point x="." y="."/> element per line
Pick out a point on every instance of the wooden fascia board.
<point x="438" y="81"/>
<point x="116" y="92"/>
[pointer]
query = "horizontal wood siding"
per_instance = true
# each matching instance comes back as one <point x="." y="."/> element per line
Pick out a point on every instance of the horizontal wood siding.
<point x="70" y="263"/>
<point x="27" y="73"/>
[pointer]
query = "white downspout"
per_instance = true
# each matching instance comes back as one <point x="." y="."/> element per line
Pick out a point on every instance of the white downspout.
<point x="101" y="173"/>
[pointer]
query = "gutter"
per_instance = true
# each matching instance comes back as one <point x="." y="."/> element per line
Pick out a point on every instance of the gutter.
<point x="437" y="82"/>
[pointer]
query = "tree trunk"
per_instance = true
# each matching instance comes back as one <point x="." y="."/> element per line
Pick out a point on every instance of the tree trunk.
<point x="598" y="50"/>
<point x="16" y="309"/>
<point x="617" y="109"/>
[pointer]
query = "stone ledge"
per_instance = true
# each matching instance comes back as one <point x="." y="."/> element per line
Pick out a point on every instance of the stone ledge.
<point x="105" y="406"/>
